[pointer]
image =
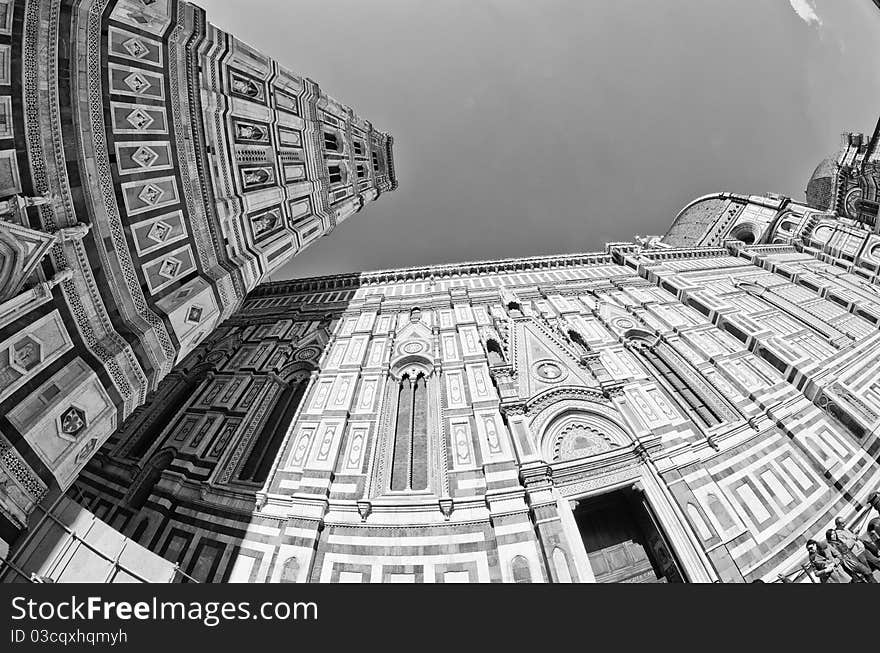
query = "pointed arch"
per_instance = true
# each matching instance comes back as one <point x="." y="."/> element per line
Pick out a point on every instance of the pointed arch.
<point x="578" y="340"/>
<point x="494" y="353"/>
<point x="519" y="570"/>
<point x="258" y="463"/>
<point x="684" y="384"/>
<point x="409" y="465"/>
<point x="560" y="563"/>
<point x="721" y="514"/>
<point x="579" y="434"/>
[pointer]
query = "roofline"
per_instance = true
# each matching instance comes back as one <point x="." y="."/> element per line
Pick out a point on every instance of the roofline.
<point x="441" y="270"/>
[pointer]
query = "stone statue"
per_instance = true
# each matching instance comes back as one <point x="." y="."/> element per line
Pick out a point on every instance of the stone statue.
<point x="250" y="132"/>
<point x="254" y="177"/>
<point x="245" y="87"/>
<point x="60" y="277"/>
<point x="18" y="203"/>
<point x="76" y="232"/>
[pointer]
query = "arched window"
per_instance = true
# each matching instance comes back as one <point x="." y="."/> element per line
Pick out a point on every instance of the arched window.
<point x="681" y="389"/>
<point x="409" y="466"/>
<point x="720" y="512"/>
<point x="290" y="571"/>
<point x="697" y="397"/>
<point x="578" y="340"/>
<point x="494" y="353"/>
<point x="259" y="461"/>
<point x="519" y="570"/>
<point x="563" y="575"/>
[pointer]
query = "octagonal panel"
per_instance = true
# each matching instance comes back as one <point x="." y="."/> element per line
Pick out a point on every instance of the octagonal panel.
<point x="25" y="354"/>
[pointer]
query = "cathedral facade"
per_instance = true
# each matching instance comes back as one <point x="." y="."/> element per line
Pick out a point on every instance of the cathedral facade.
<point x="689" y="407"/>
<point x="682" y="408"/>
<point x="154" y="170"/>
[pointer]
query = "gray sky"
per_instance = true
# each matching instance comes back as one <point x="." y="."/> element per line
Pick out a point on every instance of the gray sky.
<point x="527" y="127"/>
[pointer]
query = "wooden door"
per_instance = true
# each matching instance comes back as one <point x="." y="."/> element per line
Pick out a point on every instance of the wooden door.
<point x="616" y="547"/>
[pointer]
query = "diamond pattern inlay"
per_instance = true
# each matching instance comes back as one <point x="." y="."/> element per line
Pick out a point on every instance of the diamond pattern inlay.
<point x="144" y="156"/>
<point x="159" y="232"/>
<point x="137" y="82"/>
<point x="151" y="194"/>
<point x="194" y="315"/>
<point x="136" y="48"/>
<point x="140" y="119"/>
<point x="170" y="267"/>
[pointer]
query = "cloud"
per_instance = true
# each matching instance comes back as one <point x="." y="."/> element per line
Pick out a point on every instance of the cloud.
<point x="806" y="11"/>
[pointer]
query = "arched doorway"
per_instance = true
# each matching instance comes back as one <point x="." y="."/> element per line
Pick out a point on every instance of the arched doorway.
<point x="622" y="537"/>
<point x="623" y="540"/>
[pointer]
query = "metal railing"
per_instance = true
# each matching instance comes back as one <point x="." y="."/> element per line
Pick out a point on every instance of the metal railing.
<point x="115" y="561"/>
<point x="857" y="522"/>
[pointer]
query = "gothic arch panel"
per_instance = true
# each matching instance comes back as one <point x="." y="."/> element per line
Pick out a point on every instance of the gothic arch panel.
<point x="519" y="570"/>
<point x="569" y="424"/>
<point x="575" y="434"/>
<point x="409" y="457"/>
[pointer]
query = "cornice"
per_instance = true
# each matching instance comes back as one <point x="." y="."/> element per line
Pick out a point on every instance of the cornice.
<point x="430" y="272"/>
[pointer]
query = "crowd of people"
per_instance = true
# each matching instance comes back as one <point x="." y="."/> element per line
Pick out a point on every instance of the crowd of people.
<point x="845" y="556"/>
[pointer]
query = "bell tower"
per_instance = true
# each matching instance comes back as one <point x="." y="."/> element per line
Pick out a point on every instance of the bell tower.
<point x="154" y="169"/>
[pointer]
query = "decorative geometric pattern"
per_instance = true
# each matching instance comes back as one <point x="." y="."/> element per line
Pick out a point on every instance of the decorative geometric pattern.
<point x="159" y="232"/>
<point x="151" y="194"/>
<point x="136" y="48"/>
<point x="26" y="354"/>
<point x="194" y="314"/>
<point x="137" y="82"/>
<point x="140" y="119"/>
<point x="307" y="354"/>
<point x="170" y="267"/>
<point x="549" y="371"/>
<point x="579" y="441"/>
<point x="72" y="421"/>
<point x="144" y="156"/>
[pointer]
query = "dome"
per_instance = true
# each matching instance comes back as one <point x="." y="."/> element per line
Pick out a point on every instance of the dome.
<point x="821" y="184"/>
<point x="695" y="222"/>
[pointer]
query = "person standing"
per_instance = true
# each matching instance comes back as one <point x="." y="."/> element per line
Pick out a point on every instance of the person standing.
<point x="826" y="563"/>
<point x="858" y="571"/>
<point x="851" y="541"/>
